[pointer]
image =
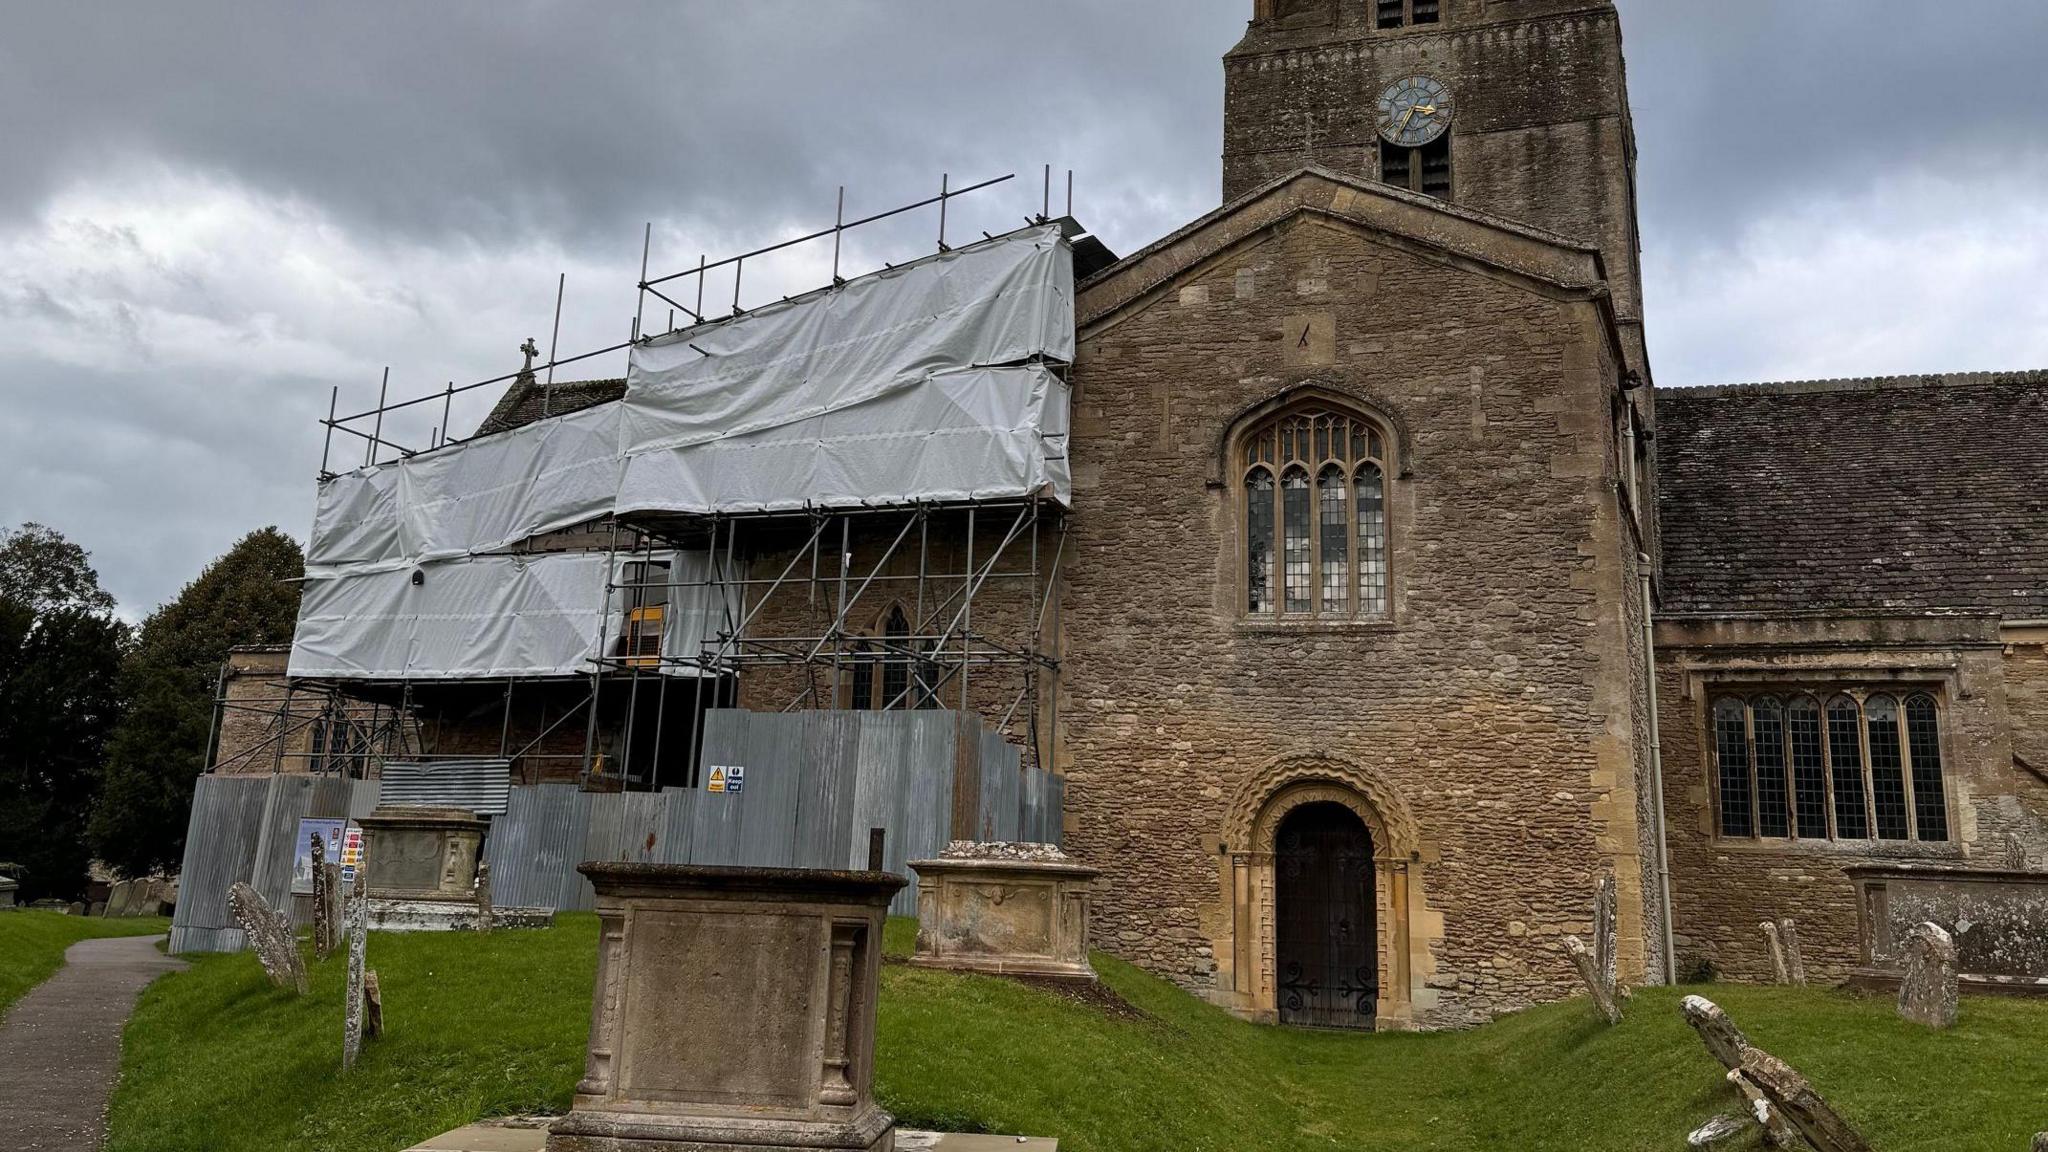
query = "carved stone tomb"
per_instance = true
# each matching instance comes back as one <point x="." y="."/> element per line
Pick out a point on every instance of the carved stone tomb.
<point x="1015" y="909"/>
<point x="734" y="1010"/>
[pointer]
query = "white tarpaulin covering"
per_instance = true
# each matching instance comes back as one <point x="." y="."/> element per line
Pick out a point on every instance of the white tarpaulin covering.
<point x="972" y="434"/>
<point x="488" y="616"/>
<point x="999" y="302"/>
<point x="924" y="383"/>
<point x="475" y="497"/>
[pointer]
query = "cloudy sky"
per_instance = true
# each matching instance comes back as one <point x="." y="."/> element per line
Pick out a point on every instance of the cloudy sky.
<point x="212" y="213"/>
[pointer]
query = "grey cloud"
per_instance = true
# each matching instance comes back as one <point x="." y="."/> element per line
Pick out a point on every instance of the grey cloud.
<point x="460" y="153"/>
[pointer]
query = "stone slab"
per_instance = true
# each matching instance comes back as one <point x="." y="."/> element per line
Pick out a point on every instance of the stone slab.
<point x="491" y="1138"/>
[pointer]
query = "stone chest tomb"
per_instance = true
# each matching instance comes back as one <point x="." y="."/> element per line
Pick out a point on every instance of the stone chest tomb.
<point x="420" y="867"/>
<point x="734" y="1009"/>
<point x="1015" y="909"/>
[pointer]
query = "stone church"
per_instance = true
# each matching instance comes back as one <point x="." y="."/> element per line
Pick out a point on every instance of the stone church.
<point x="1393" y="561"/>
<point x="1395" y="607"/>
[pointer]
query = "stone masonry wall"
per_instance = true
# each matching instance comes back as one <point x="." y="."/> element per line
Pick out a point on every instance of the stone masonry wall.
<point x="1725" y="887"/>
<point x="1498" y="700"/>
<point x="1541" y="132"/>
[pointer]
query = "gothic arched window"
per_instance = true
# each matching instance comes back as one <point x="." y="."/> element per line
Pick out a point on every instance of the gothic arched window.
<point x="883" y="665"/>
<point x="1312" y="483"/>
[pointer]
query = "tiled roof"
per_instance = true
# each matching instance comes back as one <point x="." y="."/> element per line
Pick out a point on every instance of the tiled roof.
<point x="1896" y="494"/>
<point x="528" y="400"/>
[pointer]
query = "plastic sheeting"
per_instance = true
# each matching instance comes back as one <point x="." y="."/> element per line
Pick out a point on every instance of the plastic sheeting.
<point x="972" y="434"/>
<point x="475" y="497"/>
<point x="999" y="302"/>
<point x="922" y="384"/>
<point x="906" y="386"/>
<point x="486" y="617"/>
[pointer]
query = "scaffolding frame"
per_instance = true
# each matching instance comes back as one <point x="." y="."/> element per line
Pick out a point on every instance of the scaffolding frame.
<point x="942" y="649"/>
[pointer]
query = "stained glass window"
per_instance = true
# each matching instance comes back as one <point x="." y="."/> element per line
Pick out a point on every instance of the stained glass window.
<point x="1258" y="534"/>
<point x="1372" y="542"/>
<point x="1315" y="539"/>
<point x="1731" y="753"/>
<point x="1334" y="538"/>
<point x="1294" y="539"/>
<point x="1923" y="736"/>
<point x="896" y="670"/>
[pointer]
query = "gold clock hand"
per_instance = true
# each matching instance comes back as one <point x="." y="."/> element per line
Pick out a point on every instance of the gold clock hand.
<point x="1404" y="121"/>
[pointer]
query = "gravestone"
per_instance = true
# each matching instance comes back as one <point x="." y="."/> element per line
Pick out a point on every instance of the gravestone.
<point x="270" y="937"/>
<point x="1606" y="937"/>
<point x="373" y="1005"/>
<point x="324" y="927"/>
<point x="352" y="1007"/>
<point x="1788" y="939"/>
<point x="1929" y="993"/>
<point x="1781" y="969"/>
<point x="1722" y="1038"/>
<point x="1726" y="1043"/>
<point x="484" y="911"/>
<point x="1013" y="909"/>
<point x="734" y="1011"/>
<point x="1796" y="1100"/>
<point x="1595" y="981"/>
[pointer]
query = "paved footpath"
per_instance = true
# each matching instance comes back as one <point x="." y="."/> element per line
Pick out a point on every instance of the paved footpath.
<point x="60" y="1045"/>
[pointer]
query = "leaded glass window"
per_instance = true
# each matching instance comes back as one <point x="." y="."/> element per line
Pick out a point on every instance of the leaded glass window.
<point x="1258" y="534"/>
<point x="1923" y="735"/>
<point x="1731" y="750"/>
<point x="1773" y="812"/>
<point x="1315" y="538"/>
<point x="1809" y="769"/>
<point x="1863" y="768"/>
<point x="1845" y="755"/>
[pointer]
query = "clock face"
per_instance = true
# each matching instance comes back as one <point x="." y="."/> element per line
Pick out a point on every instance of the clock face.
<point x="1415" y="111"/>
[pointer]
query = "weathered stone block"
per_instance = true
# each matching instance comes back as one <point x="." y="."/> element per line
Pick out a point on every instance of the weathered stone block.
<point x="1929" y="993"/>
<point x="734" y="1010"/>
<point x="991" y="908"/>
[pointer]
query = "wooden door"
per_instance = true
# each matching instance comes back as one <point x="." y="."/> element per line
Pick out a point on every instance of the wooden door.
<point x="1328" y="956"/>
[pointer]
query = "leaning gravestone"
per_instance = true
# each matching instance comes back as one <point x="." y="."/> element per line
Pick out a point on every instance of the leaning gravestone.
<point x="1929" y="993"/>
<point x="1726" y="1043"/>
<point x="1793" y="1097"/>
<point x="1722" y="1038"/>
<point x="270" y="937"/>
<point x="1589" y="972"/>
<point x="1781" y="971"/>
<point x="1606" y="937"/>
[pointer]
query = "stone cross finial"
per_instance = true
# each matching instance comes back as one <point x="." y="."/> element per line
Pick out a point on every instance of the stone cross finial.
<point x="531" y="350"/>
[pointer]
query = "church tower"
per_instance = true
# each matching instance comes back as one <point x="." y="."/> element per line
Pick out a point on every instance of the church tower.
<point x="1518" y="108"/>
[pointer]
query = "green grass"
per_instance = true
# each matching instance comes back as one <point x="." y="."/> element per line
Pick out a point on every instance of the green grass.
<point x="215" y="1059"/>
<point x="32" y="944"/>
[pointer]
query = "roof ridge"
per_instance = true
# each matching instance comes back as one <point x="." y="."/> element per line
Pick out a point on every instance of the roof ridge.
<point x="1853" y="384"/>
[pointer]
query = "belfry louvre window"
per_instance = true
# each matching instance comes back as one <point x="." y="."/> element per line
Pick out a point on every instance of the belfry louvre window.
<point x="1846" y="765"/>
<point x="1314" y="490"/>
<point x="1426" y="169"/>
<point x="1394" y="13"/>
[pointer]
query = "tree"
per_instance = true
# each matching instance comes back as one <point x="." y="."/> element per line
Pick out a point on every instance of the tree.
<point x="158" y="749"/>
<point x="60" y="653"/>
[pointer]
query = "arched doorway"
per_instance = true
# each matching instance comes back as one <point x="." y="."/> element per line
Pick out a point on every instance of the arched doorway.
<point x="1327" y="935"/>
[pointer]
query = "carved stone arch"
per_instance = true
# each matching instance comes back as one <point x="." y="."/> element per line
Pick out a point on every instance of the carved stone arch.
<point x="1311" y="389"/>
<point x="1287" y="782"/>
<point x="1408" y="931"/>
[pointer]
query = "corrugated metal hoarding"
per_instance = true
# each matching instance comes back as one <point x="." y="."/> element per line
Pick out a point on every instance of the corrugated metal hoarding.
<point x="810" y="787"/>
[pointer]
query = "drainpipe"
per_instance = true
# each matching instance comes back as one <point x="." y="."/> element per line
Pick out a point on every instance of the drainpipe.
<point x="1657" y="775"/>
